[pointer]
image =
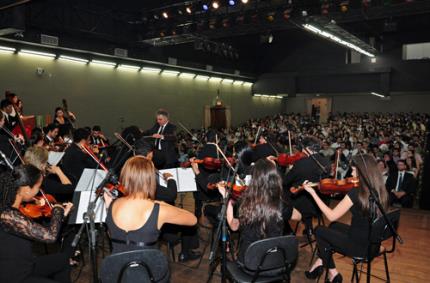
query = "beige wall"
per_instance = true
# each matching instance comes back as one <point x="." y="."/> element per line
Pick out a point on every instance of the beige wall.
<point x="100" y="95"/>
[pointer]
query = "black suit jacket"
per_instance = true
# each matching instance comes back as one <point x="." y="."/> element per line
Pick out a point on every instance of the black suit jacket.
<point x="307" y="169"/>
<point x="75" y="161"/>
<point x="167" y="194"/>
<point x="168" y="144"/>
<point x="409" y="184"/>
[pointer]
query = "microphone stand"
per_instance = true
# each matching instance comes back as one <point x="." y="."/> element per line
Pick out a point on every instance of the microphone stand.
<point x="374" y="206"/>
<point x="222" y="229"/>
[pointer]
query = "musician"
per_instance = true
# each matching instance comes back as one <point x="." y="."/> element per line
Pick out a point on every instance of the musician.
<point x="97" y="137"/>
<point x="65" y="122"/>
<point x="401" y="186"/>
<point x="350" y="240"/>
<point x="167" y="194"/>
<point x="164" y="134"/>
<point x="189" y="235"/>
<point x="37" y="137"/>
<point x="56" y="182"/>
<point x="134" y="221"/>
<point x="307" y="169"/>
<point x="52" y="134"/>
<point x="75" y="159"/>
<point x="18" y="232"/>
<point x="262" y="209"/>
<point x="5" y="146"/>
<point x="8" y="110"/>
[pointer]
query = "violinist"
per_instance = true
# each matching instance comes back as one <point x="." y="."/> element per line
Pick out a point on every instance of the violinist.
<point x="64" y="121"/>
<point x="97" y="137"/>
<point x="75" y="159"/>
<point x="18" y="232"/>
<point x="189" y="235"/>
<point x="135" y="220"/>
<point x="350" y="240"/>
<point x="307" y="169"/>
<point x="37" y="137"/>
<point x="203" y="172"/>
<point x="52" y="135"/>
<point x="164" y="135"/>
<point x="55" y="182"/>
<point x="262" y="208"/>
<point x="8" y="111"/>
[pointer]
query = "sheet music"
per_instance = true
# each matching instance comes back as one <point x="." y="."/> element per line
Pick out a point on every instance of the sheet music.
<point x="55" y="157"/>
<point x="184" y="177"/>
<point x="87" y="185"/>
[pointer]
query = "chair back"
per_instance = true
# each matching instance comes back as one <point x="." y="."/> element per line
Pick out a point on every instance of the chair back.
<point x="381" y="231"/>
<point x="149" y="265"/>
<point x="271" y="254"/>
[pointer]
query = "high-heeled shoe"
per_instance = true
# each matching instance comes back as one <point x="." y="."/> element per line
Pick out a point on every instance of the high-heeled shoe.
<point x="337" y="279"/>
<point x="314" y="273"/>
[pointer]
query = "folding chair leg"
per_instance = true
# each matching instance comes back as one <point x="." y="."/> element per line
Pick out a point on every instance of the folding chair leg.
<point x="387" y="271"/>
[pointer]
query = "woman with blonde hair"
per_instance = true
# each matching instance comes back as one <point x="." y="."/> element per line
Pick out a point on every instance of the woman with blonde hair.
<point x="134" y="221"/>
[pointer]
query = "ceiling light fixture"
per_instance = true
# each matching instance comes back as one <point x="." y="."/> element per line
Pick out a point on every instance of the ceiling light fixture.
<point x="337" y="39"/>
<point x="377" y="94"/>
<point x="73" y="59"/>
<point x="36" y="53"/>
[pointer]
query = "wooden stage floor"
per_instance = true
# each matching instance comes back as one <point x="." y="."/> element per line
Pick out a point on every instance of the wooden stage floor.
<point x="409" y="264"/>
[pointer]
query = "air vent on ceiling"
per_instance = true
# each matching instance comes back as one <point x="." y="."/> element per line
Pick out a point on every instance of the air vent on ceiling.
<point x="49" y="40"/>
<point x="121" y="52"/>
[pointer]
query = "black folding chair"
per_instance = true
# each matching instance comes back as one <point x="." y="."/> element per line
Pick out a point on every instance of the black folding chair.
<point x="149" y="265"/>
<point x="267" y="260"/>
<point x="380" y="232"/>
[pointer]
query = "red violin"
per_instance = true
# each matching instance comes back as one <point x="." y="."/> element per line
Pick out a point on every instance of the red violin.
<point x="236" y="192"/>
<point x="330" y="186"/>
<point x="42" y="207"/>
<point x="284" y="159"/>
<point x="210" y="163"/>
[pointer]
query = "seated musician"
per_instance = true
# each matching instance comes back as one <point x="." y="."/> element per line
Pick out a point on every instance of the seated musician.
<point x="56" y="182"/>
<point x="64" y="121"/>
<point x="262" y="210"/>
<point x="347" y="239"/>
<point x="37" y="137"/>
<point x="134" y="221"/>
<point x="8" y="110"/>
<point x="75" y="159"/>
<point x="189" y="235"/>
<point x="307" y="169"/>
<point x="98" y="138"/>
<point x="18" y="232"/>
<point x="51" y="136"/>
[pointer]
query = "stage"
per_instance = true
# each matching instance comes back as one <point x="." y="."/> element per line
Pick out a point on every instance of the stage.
<point x="409" y="263"/>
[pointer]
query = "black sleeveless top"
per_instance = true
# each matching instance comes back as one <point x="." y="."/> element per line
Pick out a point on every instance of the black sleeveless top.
<point x="142" y="238"/>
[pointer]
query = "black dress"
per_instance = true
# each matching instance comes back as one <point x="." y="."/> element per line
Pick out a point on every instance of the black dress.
<point x="349" y="240"/>
<point x="142" y="238"/>
<point x="17" y="262"/>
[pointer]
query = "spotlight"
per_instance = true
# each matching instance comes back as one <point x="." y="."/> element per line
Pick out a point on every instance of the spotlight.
<point x="205" y="7"/>
<point x="180" y="12"/>
<point x="188" y="9"/>
<point x="215" y="4"/>
<point x="165" y="15"/>
<point x="244" y="1"/>
<point x="270" y="17"/>
<point x="231" y="2"/>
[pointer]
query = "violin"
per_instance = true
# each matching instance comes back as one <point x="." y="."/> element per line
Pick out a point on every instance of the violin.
<point x="285" y="159"/>
<point x="210" y="163"/>
<point x="237" y="189"/>
<point x="42" y="207"/>
<point x="331" y="186"/>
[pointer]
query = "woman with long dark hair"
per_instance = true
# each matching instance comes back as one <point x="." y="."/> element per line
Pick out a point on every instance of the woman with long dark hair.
<point x="347" y="239"/>
<point x="262" y="208"/>
<point x="17" y="232"/>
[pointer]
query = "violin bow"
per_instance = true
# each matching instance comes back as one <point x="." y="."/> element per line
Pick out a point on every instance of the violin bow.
<point x="45" y="198"/>
<point x="189" y="132"/>
<point x="121" y="139"/>
<point x="258" y="133"/>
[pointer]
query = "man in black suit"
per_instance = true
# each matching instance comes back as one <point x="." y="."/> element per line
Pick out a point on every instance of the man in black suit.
<point x="401" y="185"/>
<point x="7" y="109"/>
<point x="164" y="135"/>
<point x="75" y="160"/>
<point x="307" y="169"/>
